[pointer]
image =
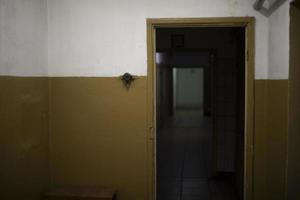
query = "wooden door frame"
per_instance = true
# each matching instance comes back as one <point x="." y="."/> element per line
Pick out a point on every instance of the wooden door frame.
<point x="152" y="25"/>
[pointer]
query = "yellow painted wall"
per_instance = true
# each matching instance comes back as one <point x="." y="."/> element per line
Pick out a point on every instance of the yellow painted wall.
<point x="270" y="140"/>
<point x="294" y="107"/>
<point x="98" y="134"/>
<point x="24" y="168"/>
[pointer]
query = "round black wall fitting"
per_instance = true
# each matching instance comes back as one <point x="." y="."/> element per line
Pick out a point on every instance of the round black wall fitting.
<point x="127" y="79"/>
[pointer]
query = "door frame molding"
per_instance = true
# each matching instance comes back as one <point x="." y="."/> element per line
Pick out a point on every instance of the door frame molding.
<point x="152" y="25"/>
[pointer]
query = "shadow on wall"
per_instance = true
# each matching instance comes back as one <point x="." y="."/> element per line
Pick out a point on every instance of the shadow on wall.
<point x="24" y="139"/>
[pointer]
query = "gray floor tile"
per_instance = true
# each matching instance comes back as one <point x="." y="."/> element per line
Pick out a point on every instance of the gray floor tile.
<point x="183" y="155"/>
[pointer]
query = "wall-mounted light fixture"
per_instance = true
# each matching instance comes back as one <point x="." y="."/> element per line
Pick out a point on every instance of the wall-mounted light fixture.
<point x="272" y="5"/>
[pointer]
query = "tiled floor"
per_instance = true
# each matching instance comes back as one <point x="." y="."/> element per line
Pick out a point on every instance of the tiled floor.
<point x="183" y="161"/>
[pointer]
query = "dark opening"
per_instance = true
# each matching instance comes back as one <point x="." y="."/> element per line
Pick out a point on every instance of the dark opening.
<point x="200" y="111"/>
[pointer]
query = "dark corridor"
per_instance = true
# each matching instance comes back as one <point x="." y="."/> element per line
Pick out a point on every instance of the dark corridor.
<point x="200" y="89"/>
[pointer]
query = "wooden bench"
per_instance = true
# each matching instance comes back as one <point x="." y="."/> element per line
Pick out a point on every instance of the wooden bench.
<point x="81" y="193"/>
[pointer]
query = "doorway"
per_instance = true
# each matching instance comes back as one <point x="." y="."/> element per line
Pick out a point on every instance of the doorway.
<point x="200" y="108"/>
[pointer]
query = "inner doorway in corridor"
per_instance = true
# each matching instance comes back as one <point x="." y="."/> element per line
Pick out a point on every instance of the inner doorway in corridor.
<point x="200" y="112"/>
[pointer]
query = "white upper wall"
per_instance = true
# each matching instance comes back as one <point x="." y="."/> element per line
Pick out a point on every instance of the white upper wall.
<point x="279" y="43"/>
<point x="108" y="37"/>
<point x="105" y="37"/>
<point x="23" y="37"/>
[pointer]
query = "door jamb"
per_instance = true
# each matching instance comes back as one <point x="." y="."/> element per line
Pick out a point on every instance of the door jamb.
<point x="248" y="23"/>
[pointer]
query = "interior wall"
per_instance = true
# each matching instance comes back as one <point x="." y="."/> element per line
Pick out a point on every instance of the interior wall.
<point x="24" y="138"/>
<point x="23" y="37"/>
<point x="85" y="36"/>
<point x="294" y="109"/>
<point x="279" y="23"/>
<point x="78" y="46"/>
<point x="271" y="113"/>
<point x="108" y="122"/>
<point x="24" y="142"/>
<point x="271" y="117"/>
<point x="189" y="88"/>
<point x="99" y="134"/>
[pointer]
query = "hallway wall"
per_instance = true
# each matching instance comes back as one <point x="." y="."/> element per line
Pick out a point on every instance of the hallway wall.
<point x="24" y="132"/>
<point x="24" y="138"/>
<point x="99" y="134"/>
<point x="98" y="129"/>
<point x="279" y="23"/>
<point x="23" y="38"/>
<point x="192" y="79"/>
<point x="270" y="139"/>
<point x="84" y="37"/>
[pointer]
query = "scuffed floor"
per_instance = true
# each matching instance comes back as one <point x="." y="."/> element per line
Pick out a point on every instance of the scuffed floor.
<point x="184" y="153"/>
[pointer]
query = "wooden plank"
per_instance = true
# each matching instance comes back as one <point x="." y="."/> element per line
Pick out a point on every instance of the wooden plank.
<point x="70" y="192"/>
